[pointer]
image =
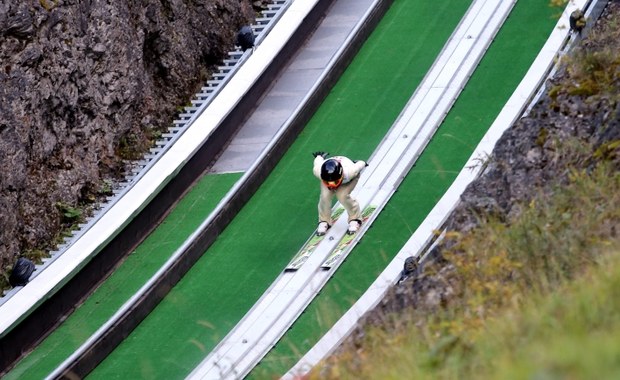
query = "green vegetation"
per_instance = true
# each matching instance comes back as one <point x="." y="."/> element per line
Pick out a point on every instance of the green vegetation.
<point x="69" y="218"/>
<point x="131" y="146"/>
<point x="69" y="213"/>
<point x="48" y="5"/>
<point x="536" y="298"/>
<point x="595" y="67"/>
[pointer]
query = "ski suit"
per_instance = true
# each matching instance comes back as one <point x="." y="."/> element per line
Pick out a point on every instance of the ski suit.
<point x="351" y="173"/>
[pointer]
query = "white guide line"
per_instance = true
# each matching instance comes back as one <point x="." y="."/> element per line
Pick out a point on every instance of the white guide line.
<point x="288" y="296"/>
<point x="435" y="219"/>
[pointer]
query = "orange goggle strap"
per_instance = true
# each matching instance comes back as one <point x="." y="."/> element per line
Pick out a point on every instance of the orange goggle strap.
<point x="333" y="184"/>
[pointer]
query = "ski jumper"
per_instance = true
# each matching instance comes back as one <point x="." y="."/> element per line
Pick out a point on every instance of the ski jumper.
<point x="351" y="174"/>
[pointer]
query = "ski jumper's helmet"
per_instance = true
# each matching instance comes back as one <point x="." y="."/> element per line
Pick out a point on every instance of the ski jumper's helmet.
<point x="331" y="173"/>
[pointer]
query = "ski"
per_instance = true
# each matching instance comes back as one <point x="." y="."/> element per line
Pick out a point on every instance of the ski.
<point x="344" y="244"/>
<point x="304" y="253"/>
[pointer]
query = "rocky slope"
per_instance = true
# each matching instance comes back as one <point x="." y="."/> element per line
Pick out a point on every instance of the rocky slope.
<point x="86" y="86"/>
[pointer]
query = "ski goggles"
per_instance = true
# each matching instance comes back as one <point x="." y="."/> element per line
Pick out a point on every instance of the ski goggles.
<point x="332" y="185"/>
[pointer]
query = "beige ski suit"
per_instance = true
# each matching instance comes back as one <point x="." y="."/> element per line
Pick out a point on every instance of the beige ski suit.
<point x="351" y="173"/>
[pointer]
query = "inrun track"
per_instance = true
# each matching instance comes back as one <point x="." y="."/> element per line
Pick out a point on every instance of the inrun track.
<point x="259" y="243"/>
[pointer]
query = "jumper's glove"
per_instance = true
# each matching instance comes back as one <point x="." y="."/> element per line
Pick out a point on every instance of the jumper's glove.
<point x="320" y="153"/>
<point x="364" y="162"/>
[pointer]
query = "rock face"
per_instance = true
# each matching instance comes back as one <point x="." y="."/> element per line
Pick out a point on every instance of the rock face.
<point x="86" y="85"/>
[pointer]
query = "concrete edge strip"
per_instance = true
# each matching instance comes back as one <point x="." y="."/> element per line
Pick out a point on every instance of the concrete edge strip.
<point x="424" y="234"/>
